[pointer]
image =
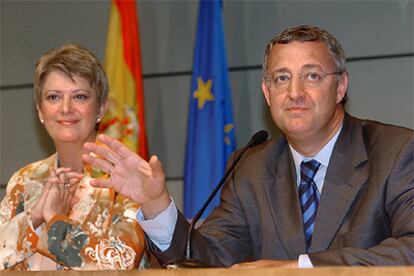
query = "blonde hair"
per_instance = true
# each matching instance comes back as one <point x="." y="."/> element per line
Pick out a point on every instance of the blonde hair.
<point x="71" y="60"/>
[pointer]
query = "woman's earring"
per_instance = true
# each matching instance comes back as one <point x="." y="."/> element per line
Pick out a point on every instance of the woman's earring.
<point x="98" y="119"/>
<point x="42" y="121"/>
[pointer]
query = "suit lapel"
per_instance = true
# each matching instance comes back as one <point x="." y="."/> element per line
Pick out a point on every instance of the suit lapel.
<point x="342" y="182"/>
<point x="283" y="200"/>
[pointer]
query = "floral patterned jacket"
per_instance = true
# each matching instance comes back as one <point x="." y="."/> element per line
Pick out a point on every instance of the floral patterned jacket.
<point x="100" y="232"/>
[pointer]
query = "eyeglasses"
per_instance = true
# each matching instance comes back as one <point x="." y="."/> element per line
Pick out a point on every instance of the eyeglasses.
<point x="310" y="78"/>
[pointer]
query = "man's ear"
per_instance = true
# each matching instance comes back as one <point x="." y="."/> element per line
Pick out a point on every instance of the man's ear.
<point x="266" y="92"/>
<point x="342" y="87"/>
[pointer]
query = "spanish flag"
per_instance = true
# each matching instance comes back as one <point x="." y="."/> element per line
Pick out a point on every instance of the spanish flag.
<point x="125" y="117"/>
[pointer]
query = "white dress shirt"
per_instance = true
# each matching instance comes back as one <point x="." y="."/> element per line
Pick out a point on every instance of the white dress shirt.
<point x="323" y="157"/>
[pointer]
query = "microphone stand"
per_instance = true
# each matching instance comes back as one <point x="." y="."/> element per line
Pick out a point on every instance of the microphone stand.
<point x="188" y="261"/>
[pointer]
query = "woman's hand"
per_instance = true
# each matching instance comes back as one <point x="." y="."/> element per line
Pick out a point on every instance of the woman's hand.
<point x="130" y="175"/>
<point x="61" y="186"/>
<point x="37" y="212"/>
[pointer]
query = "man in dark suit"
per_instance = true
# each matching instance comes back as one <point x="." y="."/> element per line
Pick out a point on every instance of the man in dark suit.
<point x="333" y="190"/>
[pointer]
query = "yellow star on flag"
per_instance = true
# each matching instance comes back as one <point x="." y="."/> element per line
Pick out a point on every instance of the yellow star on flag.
<point x="203" y="92"/>
<point x="227" y="129"/>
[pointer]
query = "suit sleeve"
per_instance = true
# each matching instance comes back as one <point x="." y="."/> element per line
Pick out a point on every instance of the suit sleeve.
<point x="398" y="249"/>
<point x="222" y="240"/>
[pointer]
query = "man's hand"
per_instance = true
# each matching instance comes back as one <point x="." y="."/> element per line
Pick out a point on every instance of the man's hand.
<point x="130" y="175"/>
<point x="266" y="264"/>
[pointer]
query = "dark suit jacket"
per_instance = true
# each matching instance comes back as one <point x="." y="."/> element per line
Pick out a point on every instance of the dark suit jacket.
<point x="365" y="216"/>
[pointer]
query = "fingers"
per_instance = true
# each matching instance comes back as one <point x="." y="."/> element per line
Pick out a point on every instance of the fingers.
<point x="112" y="150"/>
<point x="58" y="192"/>
<point x="65" y="180"/>
<point x="156" y="166"/>
<point x="62" y="170"/>
<point x="112" y="154"/>
<point x="151" y="168"/>
<point x="59" y="175"/>
<point x="59" y="199"/>
<point x="74" y="177"/>
<point x="154" y="161"/>
<point x="102" y="183"/>
<point x="101" y="152"/>
<point x="52" y="180"/>
<point x="67" y="201"/>
<point x="72" y="186"/>
<point x="98" y="162"/>
<point x="52" y="173"/>
<point x="116" y="146"/>
<point x="46" y="187"/>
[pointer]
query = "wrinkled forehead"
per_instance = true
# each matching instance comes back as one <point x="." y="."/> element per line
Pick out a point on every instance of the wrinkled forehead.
<point x="297" y="55"/>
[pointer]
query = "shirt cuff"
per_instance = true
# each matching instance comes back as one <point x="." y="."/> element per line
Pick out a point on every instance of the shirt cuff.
<point x="304" y="261"/>
<point x="160" y="229"/>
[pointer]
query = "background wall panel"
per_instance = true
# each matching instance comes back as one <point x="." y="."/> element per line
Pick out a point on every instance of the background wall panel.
<point x="380" y="88"/>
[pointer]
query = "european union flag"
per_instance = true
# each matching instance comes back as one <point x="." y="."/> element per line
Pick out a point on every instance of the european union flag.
<point x="211" y="138"/>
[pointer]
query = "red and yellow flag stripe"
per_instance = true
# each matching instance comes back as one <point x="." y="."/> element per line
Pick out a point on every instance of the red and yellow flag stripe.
<point x="125" y="119"/>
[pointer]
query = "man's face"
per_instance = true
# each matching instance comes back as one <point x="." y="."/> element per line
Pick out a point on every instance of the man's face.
<point x="304" y="100"/>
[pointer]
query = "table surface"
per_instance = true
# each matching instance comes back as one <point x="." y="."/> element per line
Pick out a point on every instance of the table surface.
<point x="337" y="271"/>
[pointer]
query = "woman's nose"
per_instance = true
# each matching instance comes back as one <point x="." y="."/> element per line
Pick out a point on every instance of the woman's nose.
<point x="66" y="105"/>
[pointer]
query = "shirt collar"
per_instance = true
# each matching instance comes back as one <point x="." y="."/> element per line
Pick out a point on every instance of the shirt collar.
<point x="322" y="156"/>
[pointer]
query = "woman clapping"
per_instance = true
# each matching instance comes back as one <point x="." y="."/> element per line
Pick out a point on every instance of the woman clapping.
<point x="51" y="218"/>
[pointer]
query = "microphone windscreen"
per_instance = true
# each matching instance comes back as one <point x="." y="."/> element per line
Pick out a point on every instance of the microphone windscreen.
<point x="259" y="137"/>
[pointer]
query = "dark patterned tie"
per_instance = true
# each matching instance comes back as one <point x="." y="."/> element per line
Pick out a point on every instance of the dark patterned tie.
<point x="308" y="197"/>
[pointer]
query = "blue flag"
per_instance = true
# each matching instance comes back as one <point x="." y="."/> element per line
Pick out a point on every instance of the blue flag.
<point x="211" y="137"/>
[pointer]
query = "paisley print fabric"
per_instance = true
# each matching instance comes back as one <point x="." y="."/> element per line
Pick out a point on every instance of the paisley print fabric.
<point x="98" y="233"/>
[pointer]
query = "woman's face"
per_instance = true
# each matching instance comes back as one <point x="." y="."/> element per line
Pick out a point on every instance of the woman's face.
<point x="69" y="108"/>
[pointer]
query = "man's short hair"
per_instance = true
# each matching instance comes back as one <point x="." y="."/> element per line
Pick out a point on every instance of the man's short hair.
<point x="309" y="33"/>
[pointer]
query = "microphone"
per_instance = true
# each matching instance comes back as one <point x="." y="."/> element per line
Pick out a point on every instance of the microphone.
<point x="258" y="138"/>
